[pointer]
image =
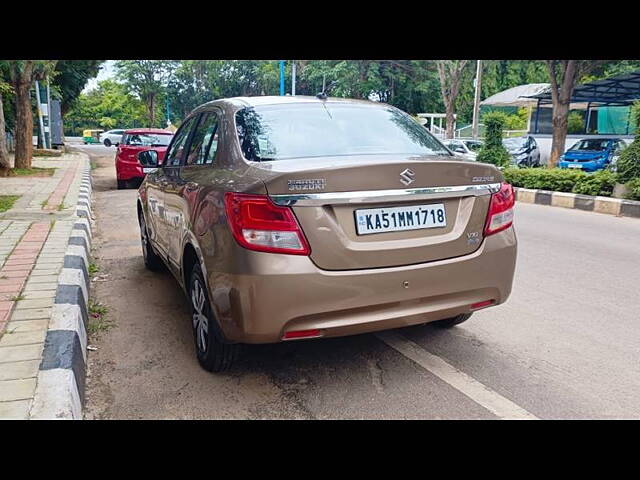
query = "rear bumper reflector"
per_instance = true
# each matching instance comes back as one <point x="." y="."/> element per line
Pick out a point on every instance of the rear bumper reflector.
<point x="301" y="334"/>
<point x="479" y="305"/>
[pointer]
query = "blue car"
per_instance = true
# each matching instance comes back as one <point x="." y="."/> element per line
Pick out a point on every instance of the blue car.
<point x="591" y="154"/>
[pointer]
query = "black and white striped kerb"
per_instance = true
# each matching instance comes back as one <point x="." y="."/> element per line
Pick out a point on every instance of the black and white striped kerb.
<point x="61" y="379"/>
<point x="611" y="206"/>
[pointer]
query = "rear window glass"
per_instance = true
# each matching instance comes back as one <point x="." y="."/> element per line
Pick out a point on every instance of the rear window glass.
<point x="280" y="132"/>
<point x="148" y="140"/>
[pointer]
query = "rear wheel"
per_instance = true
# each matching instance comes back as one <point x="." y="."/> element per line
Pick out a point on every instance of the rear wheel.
<point x="453" y="321"/>
<point x="213" y="355"/>
<point x="107" y="142"/>
<point x="152" y="260"/>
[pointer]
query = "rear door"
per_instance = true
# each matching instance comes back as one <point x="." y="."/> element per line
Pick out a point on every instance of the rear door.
<point x="382" y="212"/>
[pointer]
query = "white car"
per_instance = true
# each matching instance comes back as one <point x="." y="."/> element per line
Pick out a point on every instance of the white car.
<point x="112" y="137"/>
<point x="465" y="148"/>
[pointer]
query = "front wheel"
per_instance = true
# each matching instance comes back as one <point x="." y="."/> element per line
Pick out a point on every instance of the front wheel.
<point x="453" y="321"/>
<point x="213" y="355"/>
<point x="151" y="259"/>
<point x="107" y="142"/>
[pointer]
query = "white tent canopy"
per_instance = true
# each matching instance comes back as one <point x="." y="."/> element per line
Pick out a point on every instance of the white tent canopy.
<point x="514" y="97"/>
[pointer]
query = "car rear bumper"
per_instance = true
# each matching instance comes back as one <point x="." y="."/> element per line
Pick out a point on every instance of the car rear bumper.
<point x="128" y="170"/>
<point x="288" y="294"/>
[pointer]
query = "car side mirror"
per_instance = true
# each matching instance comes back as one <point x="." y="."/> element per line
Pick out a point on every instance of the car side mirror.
<point x="148" y="158"/>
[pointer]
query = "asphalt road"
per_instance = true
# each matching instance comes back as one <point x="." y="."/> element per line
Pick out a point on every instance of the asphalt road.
<point x="565" y="345"/>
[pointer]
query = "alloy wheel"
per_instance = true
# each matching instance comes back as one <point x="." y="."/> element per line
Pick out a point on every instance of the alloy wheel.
<point x="200" y="320"/>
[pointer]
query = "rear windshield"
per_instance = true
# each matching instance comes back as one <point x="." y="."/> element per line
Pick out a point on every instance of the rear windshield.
<point x="147" y="140"/>
<point x="279" y="132"/>
<point x="591" y="144"/>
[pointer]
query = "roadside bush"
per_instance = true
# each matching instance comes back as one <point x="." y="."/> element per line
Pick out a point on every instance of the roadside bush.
<point x="634" y="189"/>
<point x="599" y="183"/>
<point x="493" y="151"/>
<point x="628" y="165"/>
<point x="557" y="180"/>
<point x="575" y="123"/>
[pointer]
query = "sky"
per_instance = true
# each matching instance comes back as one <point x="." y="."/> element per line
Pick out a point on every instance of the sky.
<point x="106" y="71"/>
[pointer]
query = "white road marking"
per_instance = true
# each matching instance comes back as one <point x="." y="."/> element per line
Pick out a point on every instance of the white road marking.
<point x="481" y="394"/>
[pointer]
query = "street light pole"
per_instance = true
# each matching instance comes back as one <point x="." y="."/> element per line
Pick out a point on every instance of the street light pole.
<point x="281" y="78"/>
<point x="476" y="102"/>
<point x="293" y="77"/>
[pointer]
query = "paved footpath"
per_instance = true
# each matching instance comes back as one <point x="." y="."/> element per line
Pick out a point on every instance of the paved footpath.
<point x="44" y="255"/>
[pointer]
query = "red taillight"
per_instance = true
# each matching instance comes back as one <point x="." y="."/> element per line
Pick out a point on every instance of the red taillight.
<point x="479" y="305"/>
<point x="301" y="334"/>
<point x="500" y="214"/>
<point x="258" y="224"/>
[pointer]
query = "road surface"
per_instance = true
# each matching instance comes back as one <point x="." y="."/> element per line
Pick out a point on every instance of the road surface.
<point x="565" y="345"/>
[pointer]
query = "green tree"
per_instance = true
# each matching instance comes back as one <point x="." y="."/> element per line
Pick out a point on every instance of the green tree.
<point x="493" y="151"/>
<point x="147" y="79"/>
<point x="450" y="73"/>
<point x="22" y="74"/>
<point x="108" y="106"/>
<point x="71" y="78"/>
<point x="5" y="165"/>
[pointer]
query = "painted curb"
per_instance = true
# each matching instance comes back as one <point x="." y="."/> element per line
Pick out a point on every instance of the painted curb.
<point x="610" y="206"/>
<point x="61" y="378"/>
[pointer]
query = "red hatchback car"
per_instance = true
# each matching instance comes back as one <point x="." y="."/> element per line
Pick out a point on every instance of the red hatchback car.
<point x="129" y="172"/>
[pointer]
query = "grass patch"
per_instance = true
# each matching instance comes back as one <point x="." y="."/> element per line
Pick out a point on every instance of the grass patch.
<point x="44" y="203"/>
<point x="31" y="172"/>
<point x="17" y="298"/>
<point x="61" y="207"/>
<point x="94" y="165"/>
<point x="7" y="201"/>
<point x="98" y="321"/>
<point x="93" y="269"/>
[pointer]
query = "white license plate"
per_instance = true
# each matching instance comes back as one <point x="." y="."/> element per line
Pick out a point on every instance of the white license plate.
<point x="399" y="219"/>
<point x="148" y="169"/>
<point x="574" y="165"/>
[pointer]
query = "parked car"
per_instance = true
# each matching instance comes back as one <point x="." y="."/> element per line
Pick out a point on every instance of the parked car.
<point x="112" y="137"/>
<point x="277" y="234"/>
<point x="591" y="154"/>
<point x="524" y="151"/>
<point x="465" y="148"/>
<point x="128" y="169"/>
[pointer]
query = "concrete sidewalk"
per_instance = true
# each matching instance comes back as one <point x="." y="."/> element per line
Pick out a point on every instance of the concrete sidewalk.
<point x="49" y="220"/>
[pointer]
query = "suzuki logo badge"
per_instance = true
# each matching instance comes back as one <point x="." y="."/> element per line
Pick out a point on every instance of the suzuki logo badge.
<point x="406" y="177"/>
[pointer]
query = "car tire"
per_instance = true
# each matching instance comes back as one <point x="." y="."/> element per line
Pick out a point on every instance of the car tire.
<point x="107" y="142"/>
<point x="213" y="354"/>
<point x="123" y="184"/>
<point x="152" y="260"/>
<point x="453" y="321"/>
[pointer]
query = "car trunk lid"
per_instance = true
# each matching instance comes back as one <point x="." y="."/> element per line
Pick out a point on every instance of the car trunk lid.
<point x="328" y="194"/>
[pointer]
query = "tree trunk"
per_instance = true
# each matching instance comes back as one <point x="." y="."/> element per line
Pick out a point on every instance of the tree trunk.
<point x="24" y="124"/>
<point x="4" y="153"/>
<point x="450" y="119"/>
<point x="152" y="110"/>
<point x="560" y="124"/>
